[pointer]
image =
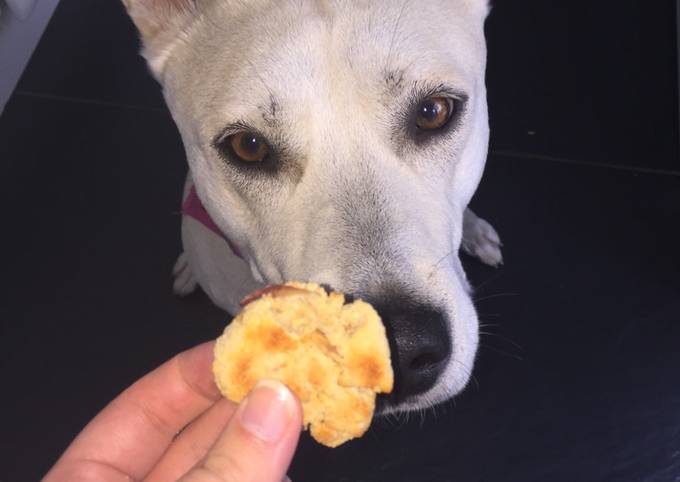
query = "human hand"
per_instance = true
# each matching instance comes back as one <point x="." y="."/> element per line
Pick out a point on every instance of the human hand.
<point x="173" y="424"/>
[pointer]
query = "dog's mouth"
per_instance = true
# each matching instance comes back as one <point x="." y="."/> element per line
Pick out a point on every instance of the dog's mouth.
<point x="409" y="395"/>
<point x="382" y="402"/>
<point x="419" y="341"/>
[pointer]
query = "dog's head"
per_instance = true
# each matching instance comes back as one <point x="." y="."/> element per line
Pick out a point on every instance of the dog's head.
<point x="340" y="141"/>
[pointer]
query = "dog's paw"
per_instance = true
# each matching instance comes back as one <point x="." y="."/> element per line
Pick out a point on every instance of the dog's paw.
<point x="481" y="240"/>
<point x="185" y="283"/>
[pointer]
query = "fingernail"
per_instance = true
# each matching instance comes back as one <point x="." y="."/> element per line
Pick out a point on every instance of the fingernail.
<point x="267" y="410"/>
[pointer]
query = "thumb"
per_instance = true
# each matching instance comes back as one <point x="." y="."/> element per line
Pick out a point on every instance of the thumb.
<point x="259" y="441"/>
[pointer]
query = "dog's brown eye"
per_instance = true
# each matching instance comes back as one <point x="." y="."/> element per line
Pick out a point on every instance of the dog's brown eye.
<point x="434" y="113"/>
<point x="249" y="147"/>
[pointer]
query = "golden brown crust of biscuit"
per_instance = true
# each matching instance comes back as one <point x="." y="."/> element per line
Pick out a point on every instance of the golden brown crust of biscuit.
<point x="333" y="356"/>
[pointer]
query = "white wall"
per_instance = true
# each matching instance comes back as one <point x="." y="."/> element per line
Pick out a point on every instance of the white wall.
<point x="18" y="39"/>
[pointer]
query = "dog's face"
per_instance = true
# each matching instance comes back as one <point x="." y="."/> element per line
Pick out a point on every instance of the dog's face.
<point x="339" y="142"/>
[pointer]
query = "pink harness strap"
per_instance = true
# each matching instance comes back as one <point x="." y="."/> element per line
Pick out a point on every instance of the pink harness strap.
<point x="193" y="207"/>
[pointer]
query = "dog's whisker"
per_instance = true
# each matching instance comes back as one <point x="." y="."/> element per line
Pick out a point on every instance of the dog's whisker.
<point x="475" y="381"/>
<point x="497" y="295"/>
<point x="501" y="352"/>
<point x="427" y="407"/>
<point x="407" y="418"/>
<point x="484" y="283"/>
<point x="393" y="40"/>
<point x="390" y="419"/>
<point x="468" y="371"/>
<point x="270" y="92"/>
<point x="397" y="421"/>
<point x="433" y="409"/>
<point x="486" y="333"/>
<point x="504" y="338"/>
<point x="489" y="325"/>
<point x="438" y="263"/>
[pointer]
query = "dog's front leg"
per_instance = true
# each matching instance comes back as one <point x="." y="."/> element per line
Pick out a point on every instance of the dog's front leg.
<point x="481" y="240"/>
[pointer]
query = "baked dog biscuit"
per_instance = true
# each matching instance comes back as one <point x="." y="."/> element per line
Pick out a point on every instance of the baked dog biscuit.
<point x="333" y="356"/>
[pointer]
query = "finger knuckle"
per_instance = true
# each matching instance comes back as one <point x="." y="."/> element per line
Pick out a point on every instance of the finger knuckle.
<point x="227" y="466"/>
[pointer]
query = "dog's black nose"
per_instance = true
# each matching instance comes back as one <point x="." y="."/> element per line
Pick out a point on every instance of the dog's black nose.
<point x="420" y="344"/>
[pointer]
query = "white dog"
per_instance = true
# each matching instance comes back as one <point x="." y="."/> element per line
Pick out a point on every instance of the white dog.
<point x="335" y="141"/>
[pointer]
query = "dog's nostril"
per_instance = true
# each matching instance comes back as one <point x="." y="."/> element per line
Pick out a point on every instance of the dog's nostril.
<point x="424" y="361"/>
<point x="420" y="344"/>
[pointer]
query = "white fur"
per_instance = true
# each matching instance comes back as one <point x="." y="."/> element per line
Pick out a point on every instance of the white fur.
<point x="362" y="207"/>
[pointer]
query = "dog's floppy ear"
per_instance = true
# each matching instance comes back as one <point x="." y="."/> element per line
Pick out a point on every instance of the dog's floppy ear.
<point x="160" y="23"/>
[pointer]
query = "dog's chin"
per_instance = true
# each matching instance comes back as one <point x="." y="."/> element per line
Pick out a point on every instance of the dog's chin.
<point x="386" y="404"/>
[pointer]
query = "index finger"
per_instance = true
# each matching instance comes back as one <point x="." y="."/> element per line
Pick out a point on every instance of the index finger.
<point x="133" y="431"/>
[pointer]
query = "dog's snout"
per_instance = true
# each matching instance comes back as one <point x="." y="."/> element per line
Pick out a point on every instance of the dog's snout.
<point x="420" y="345"/>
